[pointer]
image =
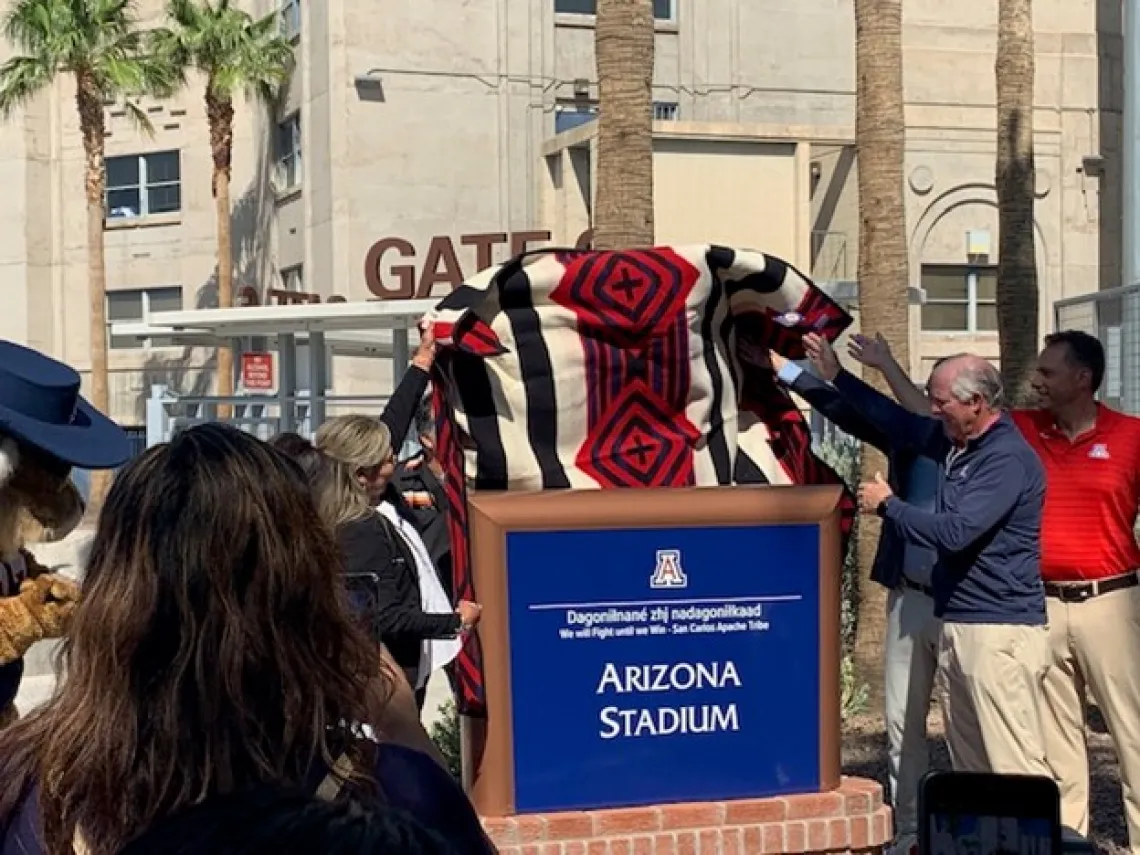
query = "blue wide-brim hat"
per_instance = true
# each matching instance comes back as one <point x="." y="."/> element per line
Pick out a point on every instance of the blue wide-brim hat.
<point x="40" y="406"/>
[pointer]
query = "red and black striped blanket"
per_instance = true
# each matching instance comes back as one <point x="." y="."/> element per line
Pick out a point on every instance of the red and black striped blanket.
<point x="581" y="369"/>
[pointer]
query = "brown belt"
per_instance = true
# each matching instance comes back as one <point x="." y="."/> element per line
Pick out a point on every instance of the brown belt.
<point x="1078" y="592"/>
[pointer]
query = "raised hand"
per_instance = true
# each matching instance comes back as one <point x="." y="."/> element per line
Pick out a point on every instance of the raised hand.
<point x="822" y="356"/>
<point x="424" y="357"/>
<point x="874" y="352"/>
<point x="469" y="613"/>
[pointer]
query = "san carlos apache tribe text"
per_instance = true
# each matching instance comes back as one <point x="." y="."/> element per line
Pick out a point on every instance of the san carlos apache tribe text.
<point x="617" y="721"/>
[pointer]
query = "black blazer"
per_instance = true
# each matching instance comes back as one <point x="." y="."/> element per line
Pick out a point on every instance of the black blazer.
<point x="372" y="545"/>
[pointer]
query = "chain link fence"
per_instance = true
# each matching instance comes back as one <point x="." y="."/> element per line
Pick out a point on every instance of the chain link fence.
<point x="1113" y="316"/>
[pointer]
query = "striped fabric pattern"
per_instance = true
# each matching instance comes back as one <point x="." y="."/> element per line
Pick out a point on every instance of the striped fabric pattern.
<point x="581" y="369"/>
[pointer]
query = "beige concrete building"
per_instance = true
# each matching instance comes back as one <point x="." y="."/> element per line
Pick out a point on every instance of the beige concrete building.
<point x="421" y="141"/>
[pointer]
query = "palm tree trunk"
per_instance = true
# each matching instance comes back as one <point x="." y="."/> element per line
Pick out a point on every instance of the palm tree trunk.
<point x="880" y="143"/>
<point x="1017" y="258"/>
<point x="624" y="50"/>
<point x="220" y="114"/>
<point x="89" y="104"/>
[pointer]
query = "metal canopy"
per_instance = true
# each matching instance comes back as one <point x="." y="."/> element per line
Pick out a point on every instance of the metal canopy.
<point x="208" y="327"/>
<point x="371" y="329"/>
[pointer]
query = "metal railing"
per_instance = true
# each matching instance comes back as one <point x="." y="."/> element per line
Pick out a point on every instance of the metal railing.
<point x="1113" y="316"/>
<point x="263" y="416"/>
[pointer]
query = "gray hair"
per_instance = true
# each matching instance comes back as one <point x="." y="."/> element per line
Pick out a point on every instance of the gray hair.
<point x="976" y="376"/>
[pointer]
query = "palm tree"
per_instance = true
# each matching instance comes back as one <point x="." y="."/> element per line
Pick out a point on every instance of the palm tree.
<point x="880" y="144"/>
<point x="234" y="53"/>
<point x="624" y="50"/>
<point x="99" y="45"/>
<point x="1017" y="257"/>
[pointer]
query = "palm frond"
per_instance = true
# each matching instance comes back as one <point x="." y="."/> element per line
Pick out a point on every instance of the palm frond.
<point x="160" y="77"/>
<point x="235" y="52"/>
<point x="31" y="25"/>
<point x="186" y="14"/>
<point x="138" y="118"/>
<point x="100" y="38"/>
<point x="128" y="65"/>
<point x="21" y="79"/>
<point x="166" y="49"/>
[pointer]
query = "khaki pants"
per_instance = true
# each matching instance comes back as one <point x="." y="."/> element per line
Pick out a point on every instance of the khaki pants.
<point x="994" y="675"/>
<point x="1095" y="644"/>
<point x="911" y="661"/>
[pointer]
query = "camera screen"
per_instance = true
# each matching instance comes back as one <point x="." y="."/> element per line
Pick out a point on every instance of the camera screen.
<point x="962" y="834"/>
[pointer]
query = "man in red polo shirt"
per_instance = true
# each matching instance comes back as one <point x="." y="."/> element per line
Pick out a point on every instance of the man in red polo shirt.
<point x="1089" y="559"/>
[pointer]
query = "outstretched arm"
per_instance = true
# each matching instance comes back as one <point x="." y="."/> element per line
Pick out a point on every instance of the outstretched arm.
<point x="903" y="429"/>
<point x="829" y="402"/>
<point x="400" y="411"/>
<point x="876" y="353"/>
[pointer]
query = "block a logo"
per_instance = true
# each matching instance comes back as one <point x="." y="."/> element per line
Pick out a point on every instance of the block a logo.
<point x="668" y="573"/>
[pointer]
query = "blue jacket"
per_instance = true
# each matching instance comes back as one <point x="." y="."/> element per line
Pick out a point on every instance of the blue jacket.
<point x="986" y="527"/>
<point x="894" y="557"/>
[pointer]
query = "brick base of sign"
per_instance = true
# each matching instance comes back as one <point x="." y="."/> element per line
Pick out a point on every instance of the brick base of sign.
<point x="852" y="819"/>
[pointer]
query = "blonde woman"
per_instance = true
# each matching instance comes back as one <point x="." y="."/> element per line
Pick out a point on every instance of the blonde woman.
<point x="377" y="534"/>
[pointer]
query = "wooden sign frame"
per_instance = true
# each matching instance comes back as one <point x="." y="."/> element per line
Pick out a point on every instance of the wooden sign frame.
<point x="487" y="743"/>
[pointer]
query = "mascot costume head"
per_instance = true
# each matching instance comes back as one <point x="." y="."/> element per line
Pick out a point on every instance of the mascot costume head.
<point x="46" y="428"/>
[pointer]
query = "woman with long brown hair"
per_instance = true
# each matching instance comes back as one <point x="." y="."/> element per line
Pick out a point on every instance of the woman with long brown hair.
<point x="399" y="719"/>
<point x="210" y="654"/>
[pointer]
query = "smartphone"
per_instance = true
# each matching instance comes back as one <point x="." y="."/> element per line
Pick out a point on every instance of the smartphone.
<point x="364" y="596"/>
<point x="987" y="814"/>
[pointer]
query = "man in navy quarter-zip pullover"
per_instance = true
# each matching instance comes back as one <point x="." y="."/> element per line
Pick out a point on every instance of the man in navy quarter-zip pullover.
<point x="985" y="528"/>
<point x="906" y="569"/>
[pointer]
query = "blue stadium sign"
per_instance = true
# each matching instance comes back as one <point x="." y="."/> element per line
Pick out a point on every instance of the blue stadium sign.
<point x="652" y="666"/>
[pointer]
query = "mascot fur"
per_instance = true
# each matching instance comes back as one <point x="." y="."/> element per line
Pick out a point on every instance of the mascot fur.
<point x="46" y="428"/>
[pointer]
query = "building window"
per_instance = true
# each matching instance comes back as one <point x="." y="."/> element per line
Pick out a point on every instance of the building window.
<point x="289" y="153"/>
<point x="135" y="305"/>
<point x="959" y="299"/>
<point x="573" y="114"/>
<point x="139" y="185"/>
<point x="291" y="19"/>
<point x="663" y="10"/>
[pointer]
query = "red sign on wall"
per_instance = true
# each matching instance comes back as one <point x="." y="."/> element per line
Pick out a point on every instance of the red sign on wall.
<point x="257" y="372"/>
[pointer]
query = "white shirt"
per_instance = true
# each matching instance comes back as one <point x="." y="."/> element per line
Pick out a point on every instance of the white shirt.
<point x="435" y="652"/>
